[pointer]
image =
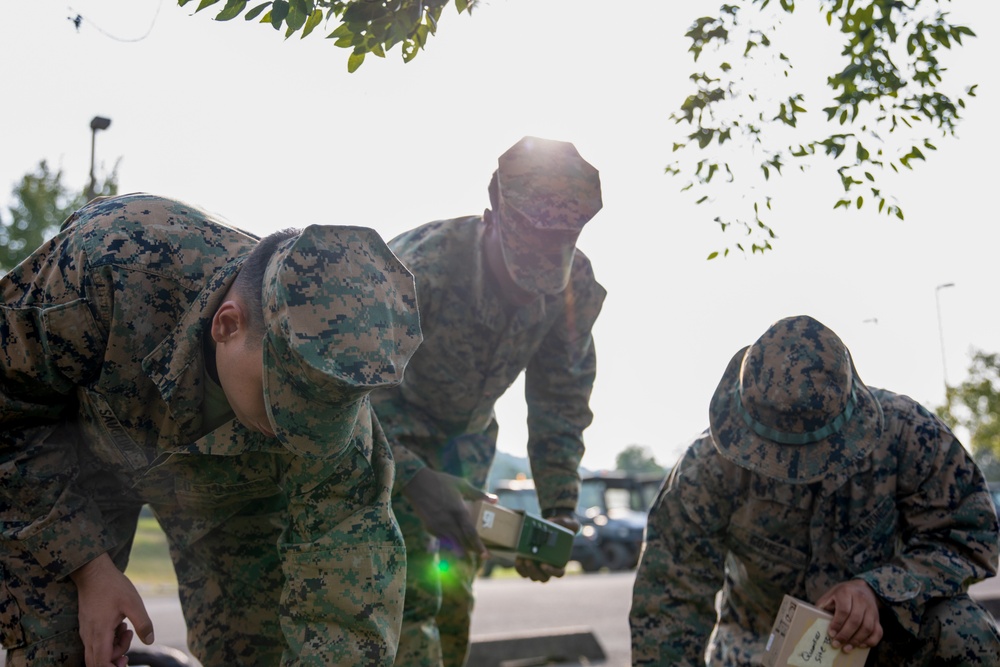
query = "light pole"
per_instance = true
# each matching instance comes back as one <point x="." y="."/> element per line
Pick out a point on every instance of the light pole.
<point x="937" y="301"/>
<point x="96" y="123"/>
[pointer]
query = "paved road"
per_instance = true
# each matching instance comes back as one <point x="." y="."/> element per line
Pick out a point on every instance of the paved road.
<point x="597" y="603"/>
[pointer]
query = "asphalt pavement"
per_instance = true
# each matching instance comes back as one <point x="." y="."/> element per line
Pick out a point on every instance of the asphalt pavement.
<point x="581" y="604"/>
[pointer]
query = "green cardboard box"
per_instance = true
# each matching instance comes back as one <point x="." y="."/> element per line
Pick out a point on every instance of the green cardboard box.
<point x="514" y="533"/>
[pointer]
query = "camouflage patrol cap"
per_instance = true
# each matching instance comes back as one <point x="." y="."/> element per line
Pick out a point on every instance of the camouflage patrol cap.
<point x="792" y="407"/>
<point x="341" y="320"/>
<point x="546" y="193"/>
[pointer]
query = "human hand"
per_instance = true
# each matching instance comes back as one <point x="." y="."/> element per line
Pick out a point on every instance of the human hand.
<point x="536" y="571"/>
<point x="106" y="598"/>
<point x="855" y="610"/>
<point x="438" y="498"/>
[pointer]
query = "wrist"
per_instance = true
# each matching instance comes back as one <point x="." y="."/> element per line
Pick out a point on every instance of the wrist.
<point x="558" y="511"/>
<point x="89" y="568"/>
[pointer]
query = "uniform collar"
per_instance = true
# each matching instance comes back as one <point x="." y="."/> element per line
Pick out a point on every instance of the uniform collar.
<point x="489" y="306"/>
<point x="177" y="365"/>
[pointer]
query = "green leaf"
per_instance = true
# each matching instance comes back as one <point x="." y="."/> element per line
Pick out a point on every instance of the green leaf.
<point x="279" y="10"/>
<point x="843" y="202"/>
<point x="461" y="5"/>
<point x="295" y="19"/>
<point x="354" y="61"/>
<point x="861" y="200"/>
<point x="255" y="12"/>
<point x="205" y="3"/>
<point x="314" y="20"/>
<point x="342" y="30"/>
<point x="232" y="9"/>
<point x="712" y="255"/>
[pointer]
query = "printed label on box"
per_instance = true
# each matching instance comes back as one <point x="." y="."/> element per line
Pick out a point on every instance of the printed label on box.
<point x="488" y="518"/>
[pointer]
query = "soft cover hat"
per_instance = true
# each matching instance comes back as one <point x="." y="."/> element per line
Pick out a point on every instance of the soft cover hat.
<point x="546" y="193"/>
<point x="792" y="407"/>
<point x="341" y="320"/>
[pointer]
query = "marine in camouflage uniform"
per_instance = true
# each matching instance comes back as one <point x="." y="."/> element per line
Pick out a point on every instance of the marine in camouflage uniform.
<point x="808" y="483"/>
<point x="273" y="488"/>
<point x="499" y="294"/>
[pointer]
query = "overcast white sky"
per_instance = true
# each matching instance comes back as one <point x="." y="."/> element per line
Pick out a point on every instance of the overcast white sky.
<point x="269" y="134"/>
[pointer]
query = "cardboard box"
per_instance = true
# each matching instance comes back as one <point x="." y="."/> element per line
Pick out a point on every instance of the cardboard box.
<point x="512" y="533"/>
<point x="799" y="639"/>
<point x="496" y="525"/>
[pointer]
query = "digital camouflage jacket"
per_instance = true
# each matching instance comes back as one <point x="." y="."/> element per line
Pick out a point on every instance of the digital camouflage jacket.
<point x="442" y="414"/>
<point x="102" y="369"/>
<point x="914" y="520"/>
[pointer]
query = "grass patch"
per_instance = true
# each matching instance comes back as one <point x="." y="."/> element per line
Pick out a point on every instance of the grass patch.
<point x="150" y="564"/>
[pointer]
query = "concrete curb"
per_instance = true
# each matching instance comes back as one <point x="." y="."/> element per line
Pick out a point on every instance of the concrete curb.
<point x="569" y="645"/>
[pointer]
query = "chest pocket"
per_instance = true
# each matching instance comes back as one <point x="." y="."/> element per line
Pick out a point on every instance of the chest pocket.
<point x="873" y="540"/>
<point x="769" y="536"/>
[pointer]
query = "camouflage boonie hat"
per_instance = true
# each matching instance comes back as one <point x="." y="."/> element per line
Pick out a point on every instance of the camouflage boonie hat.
<point x="341" y="317"/>
<point x="546" y="193"/>
<point x="792" y="407"/>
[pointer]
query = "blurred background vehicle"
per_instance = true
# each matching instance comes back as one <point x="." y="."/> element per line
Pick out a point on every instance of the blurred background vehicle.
<point x="615" y="504"/>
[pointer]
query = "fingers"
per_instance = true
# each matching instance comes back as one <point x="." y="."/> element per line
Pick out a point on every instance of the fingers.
<point x="135" y="611"/>
<point x="568" y="521"/>
<point x="855" y="620"/>
<point x="536" y="571"/>
<point x="120" y="646"/>
<point x="457" y="532"/>
<point x="861" y="629"/>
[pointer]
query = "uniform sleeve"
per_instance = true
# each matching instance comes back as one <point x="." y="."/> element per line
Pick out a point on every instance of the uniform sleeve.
<point x="51" y="344"/>
<point x="558" y="383"/>
<point x="343" y="559"/>
<point x="682" y="566"/>
<point x="947" y="520"/>
<point x="399" y="418"/>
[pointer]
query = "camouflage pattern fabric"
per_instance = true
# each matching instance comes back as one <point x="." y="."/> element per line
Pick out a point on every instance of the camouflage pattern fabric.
<point x="442" y="416"/>
<point x="281" y="558"/>
<point x="545" y="191"/>
<point x="913" y="519"/>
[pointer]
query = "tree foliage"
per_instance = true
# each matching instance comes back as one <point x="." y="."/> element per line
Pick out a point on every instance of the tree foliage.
<point x="884" y="104"/>
<point x="40" y="203"/>
<point x="975" y="405"/>
<point x="636" y="458"/>
<point x="364" y="26"/>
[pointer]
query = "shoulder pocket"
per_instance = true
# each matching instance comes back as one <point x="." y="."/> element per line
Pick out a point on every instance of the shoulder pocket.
<point x="60" y="346"/>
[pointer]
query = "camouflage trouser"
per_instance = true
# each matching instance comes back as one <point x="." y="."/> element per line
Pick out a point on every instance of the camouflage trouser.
<point x="230" y="583"/>
<point x="438" y="605"/>
<point x="956" y="632"/>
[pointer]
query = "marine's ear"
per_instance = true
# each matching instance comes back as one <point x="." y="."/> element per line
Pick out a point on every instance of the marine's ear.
<point x="230" y="321"/>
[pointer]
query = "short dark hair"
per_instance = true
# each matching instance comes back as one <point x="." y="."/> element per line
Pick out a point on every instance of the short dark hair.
<point x="249" y="283"/>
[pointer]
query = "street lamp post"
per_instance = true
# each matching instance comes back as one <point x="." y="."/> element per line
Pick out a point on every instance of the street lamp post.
<point x="96" y="123"/>
<point x="937" y="301"/>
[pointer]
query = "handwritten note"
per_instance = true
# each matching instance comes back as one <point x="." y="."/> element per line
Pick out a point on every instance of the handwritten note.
<point x="814" y="648"/>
